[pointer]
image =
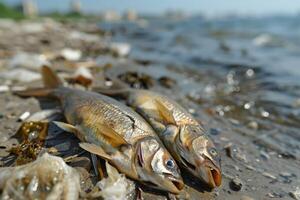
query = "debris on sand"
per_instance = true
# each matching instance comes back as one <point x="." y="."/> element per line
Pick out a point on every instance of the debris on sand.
<point x="71" y="54"/>
<point x="116" y="186"/>
<point x="32" y="137"/>
<point x="49" y="177"/>
<point x="44" y="115"/>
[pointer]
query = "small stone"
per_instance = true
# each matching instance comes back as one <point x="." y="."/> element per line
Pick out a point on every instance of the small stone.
<point x="265" y="113"/>
<point x="191" y="110"/>
<point x="286" y="174"/>
<point x="228" y="150"/>
<point x="264" y="155"/>
<point x="248" y="105"/>
<point x="250" y="73"/>
<point x="253" y="125"/>
<point x="274" y="195"/>
<point x="268" y="175"/>
<point x="236" y="184"/>
<point x="4" y="88"/>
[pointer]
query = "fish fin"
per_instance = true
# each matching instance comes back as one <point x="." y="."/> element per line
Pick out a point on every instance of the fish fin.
<point x="92" y="148"/>
<point x="165" y="113"/>
<point x="95" y="164"/>
<point x="66" y="127"/>
<point x="34" y="92"/>
<point x="71" y="129"/>
<point x="51" y="81"/>
<point x="50" y="78"/>
<point x="112" y="136"/>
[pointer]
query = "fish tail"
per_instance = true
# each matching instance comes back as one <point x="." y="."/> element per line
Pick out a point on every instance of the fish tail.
<point x="51" y="82"/>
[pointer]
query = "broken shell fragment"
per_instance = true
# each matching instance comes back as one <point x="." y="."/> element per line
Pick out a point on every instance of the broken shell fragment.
<point x="116" y="186"/>
<point x="71" y="54"/>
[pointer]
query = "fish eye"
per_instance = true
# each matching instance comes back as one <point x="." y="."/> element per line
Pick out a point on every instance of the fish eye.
<point x="170" y="164"/>
<point x="213" y="152"/>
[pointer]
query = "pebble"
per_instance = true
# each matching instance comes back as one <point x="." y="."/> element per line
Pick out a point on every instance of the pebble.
<point x="264" y="155"/>
<point x="228" y="150"/>
<point x="71" y="54"/>
<point x="236" y="184"/>
<point x="265" y="113"/>
<point x="268" y="175"/>
<point x="286" y="174"/>
<point x="191" y="110"/>
<point x="253" y="125"/>
<point x="4" y="88"/>
<point x="274" y="195"/>
<point x="250" y="73"/>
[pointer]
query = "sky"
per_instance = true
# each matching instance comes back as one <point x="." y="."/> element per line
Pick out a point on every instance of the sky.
<point x="206" y="7"/>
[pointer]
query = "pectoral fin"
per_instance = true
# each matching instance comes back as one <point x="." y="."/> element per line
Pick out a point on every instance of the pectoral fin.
<point x="165" y="113"/>
<point x="112" y="136"/>
<point x="70" y="128"/>
<point x="66" y="127"/>
<point x="92" y="148"/>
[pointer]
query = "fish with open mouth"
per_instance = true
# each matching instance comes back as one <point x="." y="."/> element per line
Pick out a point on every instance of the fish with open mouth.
<point x="114" y="132"/>
<point x="181" y="133"/>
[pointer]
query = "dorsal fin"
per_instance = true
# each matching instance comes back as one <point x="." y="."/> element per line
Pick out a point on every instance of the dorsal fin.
<point x="165" y="113"/>
<point x="50" y="79"/>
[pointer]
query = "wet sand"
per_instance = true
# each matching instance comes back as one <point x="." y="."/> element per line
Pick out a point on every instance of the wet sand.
<point x="264" y="170"/>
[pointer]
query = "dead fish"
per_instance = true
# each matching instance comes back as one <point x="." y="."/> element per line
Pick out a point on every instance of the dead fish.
<point x="181" y="133"/>
<point x="114" y="132"/>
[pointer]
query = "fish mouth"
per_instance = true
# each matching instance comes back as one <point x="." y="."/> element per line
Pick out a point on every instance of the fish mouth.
<point x="211" y="175"/>
<point x="208" y="173"/>
<point x="174" y="185"/>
